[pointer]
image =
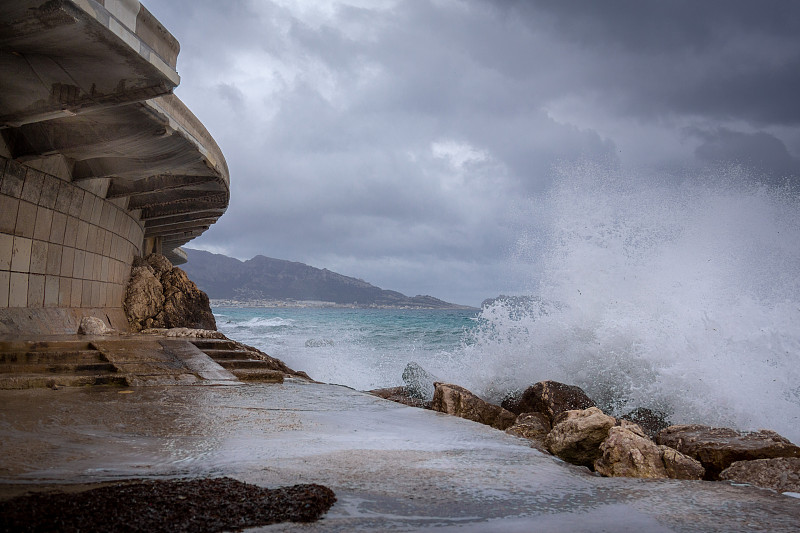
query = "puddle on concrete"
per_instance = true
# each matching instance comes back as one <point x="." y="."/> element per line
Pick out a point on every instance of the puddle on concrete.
<point x="392" y="467"/>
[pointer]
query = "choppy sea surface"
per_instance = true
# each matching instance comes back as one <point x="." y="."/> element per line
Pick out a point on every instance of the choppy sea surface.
<point x="680" y="294"/>
<point x="361" y="348"/>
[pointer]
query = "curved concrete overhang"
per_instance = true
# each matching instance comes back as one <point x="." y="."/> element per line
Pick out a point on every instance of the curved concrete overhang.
<point x="89" y="84"/>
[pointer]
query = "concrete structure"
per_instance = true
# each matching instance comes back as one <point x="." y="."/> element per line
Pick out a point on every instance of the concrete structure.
<point x="99" y="162"/>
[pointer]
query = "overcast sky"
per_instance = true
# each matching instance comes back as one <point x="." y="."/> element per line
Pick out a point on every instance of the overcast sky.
<point x="405" y="142"/>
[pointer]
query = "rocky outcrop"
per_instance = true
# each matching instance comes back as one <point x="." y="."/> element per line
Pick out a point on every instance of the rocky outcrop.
<point x="781" y="473"/>
<point x="162" y="296"/>
<point x="577" y="434"/>
<point x="718" y="448"/>
<point x="458" y="401"/>
<point x="532" y="426"/>
<point x="629" y="452"/>
<point x="549" y="397"/>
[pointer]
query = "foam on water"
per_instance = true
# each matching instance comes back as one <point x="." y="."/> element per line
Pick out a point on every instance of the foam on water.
<point x="678" y="295"/>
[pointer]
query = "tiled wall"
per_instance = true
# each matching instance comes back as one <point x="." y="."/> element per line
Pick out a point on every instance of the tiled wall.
<point x="61" y="245"/>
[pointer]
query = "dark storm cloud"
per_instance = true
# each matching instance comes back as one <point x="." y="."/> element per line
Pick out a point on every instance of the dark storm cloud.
<point x="400" y="141"/>
<point x="717" y="58"/>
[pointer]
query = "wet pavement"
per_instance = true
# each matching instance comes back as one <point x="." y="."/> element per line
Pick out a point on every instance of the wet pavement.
<point x="393" y="468"/>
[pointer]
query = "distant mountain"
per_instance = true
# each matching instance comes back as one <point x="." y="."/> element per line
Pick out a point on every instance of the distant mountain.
<point x="264" y="278"/>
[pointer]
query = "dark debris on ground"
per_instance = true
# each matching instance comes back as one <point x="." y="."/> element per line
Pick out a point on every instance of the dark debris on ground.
<point x="197" y="505"/>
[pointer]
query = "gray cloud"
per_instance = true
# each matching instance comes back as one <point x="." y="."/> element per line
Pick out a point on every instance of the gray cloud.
<point x="399" y="141"/>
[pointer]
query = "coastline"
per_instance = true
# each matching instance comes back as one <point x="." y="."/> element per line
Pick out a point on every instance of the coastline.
<point x="318" y="304"/>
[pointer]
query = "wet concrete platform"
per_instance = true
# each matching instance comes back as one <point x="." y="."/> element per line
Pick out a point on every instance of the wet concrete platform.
<point x="393" y="468"/>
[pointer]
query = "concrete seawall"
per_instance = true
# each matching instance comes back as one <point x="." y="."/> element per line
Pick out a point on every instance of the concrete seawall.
<point x="99" y="162"/>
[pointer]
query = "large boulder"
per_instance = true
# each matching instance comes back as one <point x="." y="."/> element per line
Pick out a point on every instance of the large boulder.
<point x="531" y="426"/>
<point x="629" y="452"/>
<point x="781" y="473"/>
<point x="162" y="296"/>
<point x="718" y="448"/>
<point x="458" y="401"/>
<point x="549" y="397"/>
<point x="577" y="434"/>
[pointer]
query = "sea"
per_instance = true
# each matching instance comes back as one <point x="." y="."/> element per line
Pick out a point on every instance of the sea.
<point x="676" y="293"/>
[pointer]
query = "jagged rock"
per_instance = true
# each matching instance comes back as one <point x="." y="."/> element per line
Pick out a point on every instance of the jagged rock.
<point x="577" y="434"/>
<point x="91" y="325"/>
<point x="159" y="264"/>
<point x="400" y="395"/>
<point x="162" y="296"/>
<point x="419" y="382"/>
<point x="458" y="401"/>
<point x="550" y="398"/>
<point x="680" y="466"/>
<point x="718" y="448"/>
<point x="781" y="473"/>
<point x="184" y="304"/>
<point x="532" y="426"/>
<point x="144" y="297"/>
<point x="628" y="452"/>
<point x="650" y="421"/>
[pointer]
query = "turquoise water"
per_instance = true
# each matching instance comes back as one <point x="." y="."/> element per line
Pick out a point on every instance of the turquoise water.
<point x="360" y="348"/>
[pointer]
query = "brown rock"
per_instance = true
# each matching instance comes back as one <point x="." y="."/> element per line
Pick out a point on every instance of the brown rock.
<point x="628" y="452"/>
<point x="781" y="473"/>
<point x="185" y="306"/>
<point x="458" y="401"/>
<point x="159" y="264"/>
<point x="577" y="434"/>
<point x="550" y="398"/>
<point x="144" y="297"/>
<point x="718" y="448"/>
<point x="162" y="296"/>
<point x="531" y="426"/>
<point x="680" y="466"/>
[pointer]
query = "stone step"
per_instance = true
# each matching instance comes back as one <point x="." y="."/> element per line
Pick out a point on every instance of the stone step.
<point x="231" y="364"/>
<point x="225" y="354"/>
<point x="253" y="374"/>
<point x="57" y="368"/>
<point x="37" y="381"/>
<point x="215" y="344"/>
<point x="31" y="357"/>
<point x="45" y="346"/>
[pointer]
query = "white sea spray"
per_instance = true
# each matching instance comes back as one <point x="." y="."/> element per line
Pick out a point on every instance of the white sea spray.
<point x="679" y="295"/>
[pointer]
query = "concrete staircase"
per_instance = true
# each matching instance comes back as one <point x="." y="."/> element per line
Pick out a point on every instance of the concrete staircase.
<point x="239" y="361"/>
<point x="63" y="363"/>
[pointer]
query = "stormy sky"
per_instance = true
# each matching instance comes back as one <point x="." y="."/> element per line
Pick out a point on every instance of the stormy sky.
<point x="408" y="142"/>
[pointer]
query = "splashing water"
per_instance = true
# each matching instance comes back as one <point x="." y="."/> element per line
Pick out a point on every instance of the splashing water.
<point x="683" y="297"/>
